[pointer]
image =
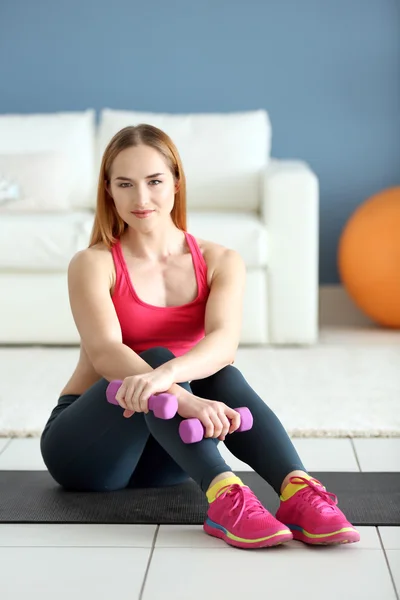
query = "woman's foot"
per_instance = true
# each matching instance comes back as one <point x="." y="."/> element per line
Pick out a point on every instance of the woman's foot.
<point x="311" y="514"/>
<point x="238" y="517"/>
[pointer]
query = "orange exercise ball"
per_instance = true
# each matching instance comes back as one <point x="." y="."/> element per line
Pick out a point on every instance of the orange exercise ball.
<point x="369" y="257"/>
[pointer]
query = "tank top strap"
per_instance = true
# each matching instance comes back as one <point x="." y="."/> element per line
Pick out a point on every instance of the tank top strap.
<point x="119" y="267"/>
<point x="200" y="264"/>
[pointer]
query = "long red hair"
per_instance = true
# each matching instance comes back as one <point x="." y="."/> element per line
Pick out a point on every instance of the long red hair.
<point x="108" y="225"/>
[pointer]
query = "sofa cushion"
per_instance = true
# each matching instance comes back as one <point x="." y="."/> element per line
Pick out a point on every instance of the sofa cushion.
<point x="39" y="179"/>
<point x="47" y="242"/>
<point x="72" y="133"/>
<point x="243" y="232"/>
<point x="224" y="155"/>
<point x="42" y="242"/>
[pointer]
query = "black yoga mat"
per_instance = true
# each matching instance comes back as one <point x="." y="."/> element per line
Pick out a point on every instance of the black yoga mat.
<point x="34" y="497"/>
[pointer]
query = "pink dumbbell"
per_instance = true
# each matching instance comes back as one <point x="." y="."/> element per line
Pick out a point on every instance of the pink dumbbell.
<point x="164" y="406"/>
<point x="192" y="430"/>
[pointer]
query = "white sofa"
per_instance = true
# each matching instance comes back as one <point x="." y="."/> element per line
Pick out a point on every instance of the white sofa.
<point x="237" y="195"/>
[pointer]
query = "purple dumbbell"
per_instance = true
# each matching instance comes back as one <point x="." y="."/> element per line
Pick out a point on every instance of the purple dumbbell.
<point x="164" y="406"/>
<point x="193" y="430"/>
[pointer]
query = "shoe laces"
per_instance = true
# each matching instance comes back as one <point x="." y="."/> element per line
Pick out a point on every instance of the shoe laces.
<point x="316" y="495"/>
<point x="243" y="499"/>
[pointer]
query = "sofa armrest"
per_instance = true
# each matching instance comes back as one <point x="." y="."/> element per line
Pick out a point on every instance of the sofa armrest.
<point x="290" y="210"/>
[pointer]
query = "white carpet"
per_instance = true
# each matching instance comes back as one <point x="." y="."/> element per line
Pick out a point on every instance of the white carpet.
<point x="347" y="385"/>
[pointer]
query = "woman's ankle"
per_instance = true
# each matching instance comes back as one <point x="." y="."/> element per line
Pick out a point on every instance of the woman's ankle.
<point x="221" y="477"/>
<point x="221" y="481"/>
<point x="286" y="481"/>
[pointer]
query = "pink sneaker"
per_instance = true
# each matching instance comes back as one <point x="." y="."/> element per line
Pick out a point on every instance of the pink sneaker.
<point x="238" y="517"/>
<point x="313" y="517"/>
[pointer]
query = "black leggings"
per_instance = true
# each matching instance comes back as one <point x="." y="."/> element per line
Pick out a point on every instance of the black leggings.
<point x="88" y="445"/>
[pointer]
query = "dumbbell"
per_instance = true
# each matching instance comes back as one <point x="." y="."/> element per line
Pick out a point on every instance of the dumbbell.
<point x="193" y="430"/>
<point x="164" y="406"/>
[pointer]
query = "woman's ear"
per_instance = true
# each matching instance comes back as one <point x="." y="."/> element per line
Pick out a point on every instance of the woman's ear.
<point x="106" y="182"/>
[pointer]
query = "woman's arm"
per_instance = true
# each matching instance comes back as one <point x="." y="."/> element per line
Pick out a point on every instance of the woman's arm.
<point x="223" y="320"/>
<point x="97" y="322"/>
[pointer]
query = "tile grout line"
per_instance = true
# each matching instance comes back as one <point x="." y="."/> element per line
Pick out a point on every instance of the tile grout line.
<point x="6" y="445"/>
<point x="387" y="562"/>
<point x="149" y="563"/>
<point x="355" y="454"/>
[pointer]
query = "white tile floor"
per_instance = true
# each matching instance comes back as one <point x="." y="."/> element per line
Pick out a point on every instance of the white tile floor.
<point x="179" y="562"/>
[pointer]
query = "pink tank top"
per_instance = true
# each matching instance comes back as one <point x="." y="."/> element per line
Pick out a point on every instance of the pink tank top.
<point x="144" y="326"/>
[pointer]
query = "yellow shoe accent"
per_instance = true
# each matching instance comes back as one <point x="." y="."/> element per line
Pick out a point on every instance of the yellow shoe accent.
<point x="213" y="491"/>
<point x="292" y="488"/>
<point x="330" y="534"/>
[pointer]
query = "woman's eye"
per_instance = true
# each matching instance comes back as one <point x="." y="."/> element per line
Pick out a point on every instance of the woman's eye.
<point x="153" y="181"/>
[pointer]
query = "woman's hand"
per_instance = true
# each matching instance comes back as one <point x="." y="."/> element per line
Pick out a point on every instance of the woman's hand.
<point x="217" y="418"/>
<point x="135" y="391"/>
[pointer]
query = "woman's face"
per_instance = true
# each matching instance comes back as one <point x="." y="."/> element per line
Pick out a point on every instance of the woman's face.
<point x="140" y="180"/>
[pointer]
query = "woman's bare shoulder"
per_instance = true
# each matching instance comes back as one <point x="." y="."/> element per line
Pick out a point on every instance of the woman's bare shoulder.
<point x="98" y="252"/>
<point x="206" y="246"/>
<point x="97" y="256"/>
<point x="211" y="250"/>
<point x="212" y="254"/>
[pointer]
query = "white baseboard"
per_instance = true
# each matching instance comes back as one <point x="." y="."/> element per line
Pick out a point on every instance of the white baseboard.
<point x="336" y="309"/>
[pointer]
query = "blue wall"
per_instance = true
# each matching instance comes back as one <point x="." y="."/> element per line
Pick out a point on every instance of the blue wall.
<point x="327" y="71"/>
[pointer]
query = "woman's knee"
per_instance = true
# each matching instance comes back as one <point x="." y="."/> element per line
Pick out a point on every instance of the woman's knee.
<point x="157" y="356"/>
<point x="227" y="374"/>
<point x="229" y="386"/>
<point x="224" y="379"/>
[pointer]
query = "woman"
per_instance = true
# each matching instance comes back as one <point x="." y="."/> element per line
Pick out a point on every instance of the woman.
<point x="161" y="310"/>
